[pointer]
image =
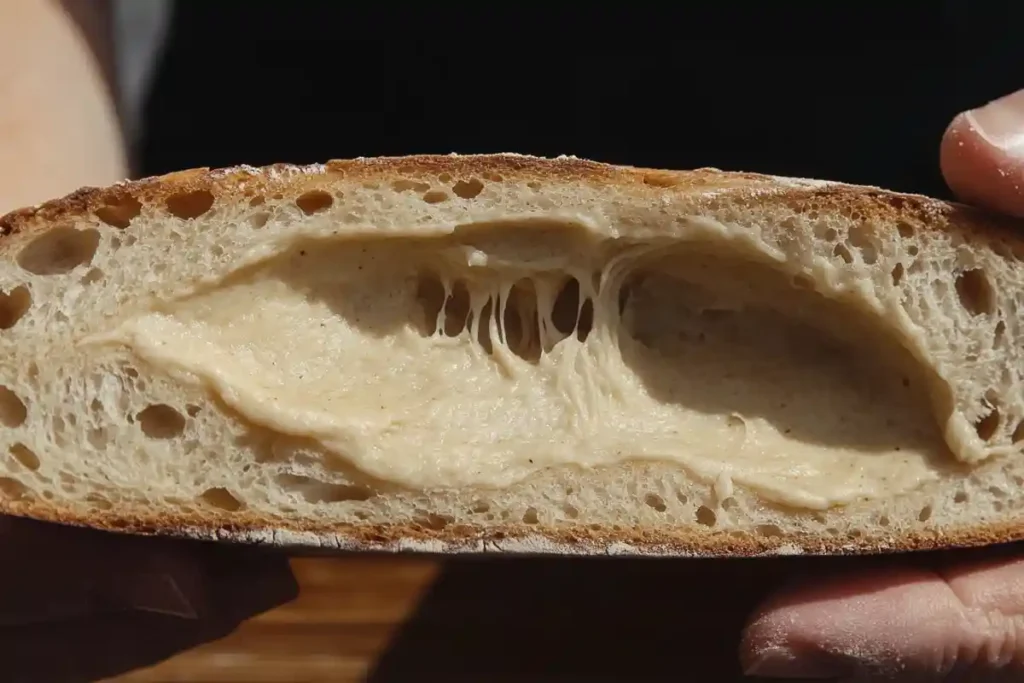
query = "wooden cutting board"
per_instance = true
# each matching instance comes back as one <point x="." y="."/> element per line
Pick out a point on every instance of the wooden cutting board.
<point x="391" y="619"/>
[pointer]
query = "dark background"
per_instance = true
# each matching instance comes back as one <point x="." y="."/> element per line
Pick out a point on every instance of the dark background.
<point x="859" y="92"/>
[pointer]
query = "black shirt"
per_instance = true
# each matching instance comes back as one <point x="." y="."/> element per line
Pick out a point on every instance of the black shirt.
<point x="859" y="92"/>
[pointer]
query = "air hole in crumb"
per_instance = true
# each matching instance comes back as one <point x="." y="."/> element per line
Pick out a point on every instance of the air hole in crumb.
<point x="14" y="306"/>
<point x="521" y="324"/>
<point x="988" y="425"/>
<point x="860" y="240"/>
<point x="566" y="309"/>
<point x="12" y="489"/>
<point x="13" y="411"/>
<point x="530" y="516"/>
<point x="586" y="321"/>
<point x="98" y="438"/>
<point x="406" y="185"/>
<point x="435" y="196"/>
<point x="314" y="201"/>
<point x="906" y="230"/>
<point x="769" y="530"/>
<point x="258" y="200"/>
<point x="975" y="292"/>
<point x="221" y="499"/>
<point x="430" y="296"/>
<point x="434" y="522"/>
<point x="119" y="210"/>
<point x="653" y="500"/>
<point x="192" y="410"/>
<point x="161" y="421"/>
<point x="884" y="521"/>
<point x="571" y="512"/>
<point x="706" y="516"/>
<point x="897" y="274"/>
<point x="316" y="491"/>
<point x="660" y="179"/>
<point x="92" y="277"/>
<point x="24" y="455"/>
<point x="456" y="309"/>
<point x="258" y="220"/>
<point x="467" y="189"/>
<point x="59" y="427"/>
<point x="960" y="497"/>
<point x="1018" y="432"/>
<point x="483" y="328"/>
<point x="533" y="185"/>
<point x="840" y="251"/>
<point x="99" y="502"/>
<point x="59" y="250"/>
<point x="480" y="507"/>
<point x="189" y="205"/>
<point x="999" y="335"/>
<point x="682" y="498"/>
<point x="444" y="178"/>
<point x="925" y="514"/>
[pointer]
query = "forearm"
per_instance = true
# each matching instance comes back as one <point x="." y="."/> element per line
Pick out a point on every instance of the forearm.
<point x="59" y="128"/>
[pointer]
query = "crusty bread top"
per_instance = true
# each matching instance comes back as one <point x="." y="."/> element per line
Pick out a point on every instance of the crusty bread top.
<point x="701" y="190"/>
<point x="120" y="202"/>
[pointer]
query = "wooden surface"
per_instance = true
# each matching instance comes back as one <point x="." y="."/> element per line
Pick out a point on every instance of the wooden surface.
<point x="390" y="619"/>
<point x="346" y="613"/>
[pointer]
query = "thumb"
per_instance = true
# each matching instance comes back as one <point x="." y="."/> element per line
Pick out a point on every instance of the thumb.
<point x="982" y="155"/>
<point x="964" y="621"/>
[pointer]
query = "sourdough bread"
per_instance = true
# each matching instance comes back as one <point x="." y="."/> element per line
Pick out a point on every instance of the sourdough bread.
<point x="506" y="353"/>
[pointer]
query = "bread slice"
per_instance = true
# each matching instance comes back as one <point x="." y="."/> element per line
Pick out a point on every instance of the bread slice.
<point x="507" y="353"/>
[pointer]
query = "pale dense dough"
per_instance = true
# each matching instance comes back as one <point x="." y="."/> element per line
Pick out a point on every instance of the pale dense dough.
<point x="442" y="365"/>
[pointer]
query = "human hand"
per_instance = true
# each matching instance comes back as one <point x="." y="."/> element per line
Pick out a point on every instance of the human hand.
<point x="79" y="605"/>
<point x="950" y="618"/>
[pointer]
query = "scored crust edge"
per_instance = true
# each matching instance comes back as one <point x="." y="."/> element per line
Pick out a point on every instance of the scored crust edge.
<point x="240" y="182"/>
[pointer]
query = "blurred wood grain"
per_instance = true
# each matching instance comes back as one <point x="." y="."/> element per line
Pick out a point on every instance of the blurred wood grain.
<point x="400" y="619"/>
<point x="523" y="620"/>
<point x="346" y="613"/>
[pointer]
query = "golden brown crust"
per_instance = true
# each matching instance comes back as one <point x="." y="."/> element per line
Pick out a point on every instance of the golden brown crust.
<point x="254" y="529"/>
<point x="704" y="187"/>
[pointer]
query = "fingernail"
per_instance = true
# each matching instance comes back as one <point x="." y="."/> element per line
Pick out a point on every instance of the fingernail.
<point x="1001" y="123"/>
<point x="781" y="662"/>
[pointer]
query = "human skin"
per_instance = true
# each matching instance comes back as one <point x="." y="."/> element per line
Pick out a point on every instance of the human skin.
<point x="108" y="603"/>
<point x="78" y="605"/>
<point x="953" y="619"/>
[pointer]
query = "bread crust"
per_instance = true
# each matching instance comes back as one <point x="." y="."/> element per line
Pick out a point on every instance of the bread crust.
<point x="702" y="187"/>
<point x="512" y="539"/>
